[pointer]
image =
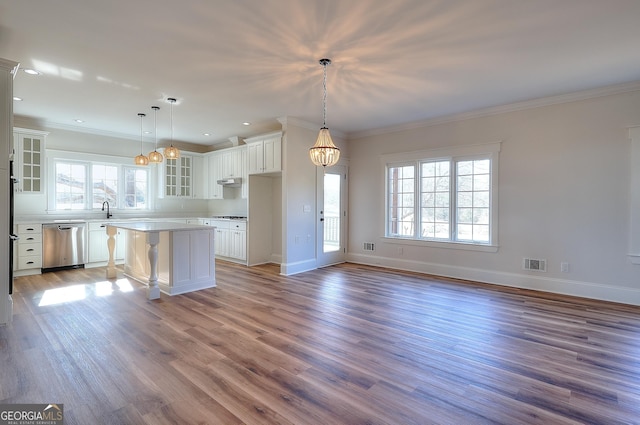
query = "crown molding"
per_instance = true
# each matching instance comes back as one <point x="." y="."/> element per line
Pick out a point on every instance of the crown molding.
<point x="496" y="110"/>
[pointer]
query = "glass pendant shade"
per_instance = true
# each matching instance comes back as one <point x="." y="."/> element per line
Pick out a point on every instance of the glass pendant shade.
<point x="324" y="152"/>
<point x="141" y="160"/>
<point x="155" y="156"/>
<point x="171" y="152"/>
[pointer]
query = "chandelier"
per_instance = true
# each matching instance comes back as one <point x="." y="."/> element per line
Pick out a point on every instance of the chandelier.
<point x="324" y="152"/>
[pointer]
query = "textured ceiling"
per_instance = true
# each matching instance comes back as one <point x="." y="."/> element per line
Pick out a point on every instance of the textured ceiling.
<point x="227" y="62"/>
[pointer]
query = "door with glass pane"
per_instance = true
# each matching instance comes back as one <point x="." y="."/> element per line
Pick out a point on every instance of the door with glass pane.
<point x="332" y="215"/>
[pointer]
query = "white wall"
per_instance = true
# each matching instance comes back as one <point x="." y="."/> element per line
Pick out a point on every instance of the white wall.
<point x="299" y="190"/>
<point x="564" y="195"/>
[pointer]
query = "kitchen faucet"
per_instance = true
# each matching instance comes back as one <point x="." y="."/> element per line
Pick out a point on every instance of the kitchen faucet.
<point x="108" y="215"/>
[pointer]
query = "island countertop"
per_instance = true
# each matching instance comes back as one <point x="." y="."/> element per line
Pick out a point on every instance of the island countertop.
<point x="155" y="226"/>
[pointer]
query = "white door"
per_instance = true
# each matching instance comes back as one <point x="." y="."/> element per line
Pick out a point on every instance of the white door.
<point x="332" y="215"/>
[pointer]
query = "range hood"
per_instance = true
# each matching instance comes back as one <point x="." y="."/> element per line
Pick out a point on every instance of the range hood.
<point x="231" y="182"/>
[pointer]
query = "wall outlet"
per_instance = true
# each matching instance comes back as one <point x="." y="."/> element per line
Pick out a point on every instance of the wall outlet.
<point x="564" y="267"/>
<point x="400" y="250"/>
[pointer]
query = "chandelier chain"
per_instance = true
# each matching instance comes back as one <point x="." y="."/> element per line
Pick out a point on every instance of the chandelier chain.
<point x="324" y="97"/>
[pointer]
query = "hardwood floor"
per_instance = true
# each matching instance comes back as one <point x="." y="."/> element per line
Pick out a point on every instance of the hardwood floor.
<point x="347" y="344"/>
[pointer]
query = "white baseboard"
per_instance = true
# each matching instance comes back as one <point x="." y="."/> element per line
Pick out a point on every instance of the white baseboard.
<point x="289" y="269"/>
<point x="515" y="280"/>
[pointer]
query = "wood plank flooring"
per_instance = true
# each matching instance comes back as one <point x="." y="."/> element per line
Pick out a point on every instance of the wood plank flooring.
<point x="346" y="344"/>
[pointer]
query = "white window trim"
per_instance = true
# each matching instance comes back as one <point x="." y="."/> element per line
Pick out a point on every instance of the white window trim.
<point x="88" y="159"/>
<point x="458" y="153"/>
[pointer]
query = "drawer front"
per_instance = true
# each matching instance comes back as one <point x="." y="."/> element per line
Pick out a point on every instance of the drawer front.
<point x="30" y="238"/>
<point x="29" y="262"/>
<point x="97" y="226"/>
<point x="24" y="229"/>
<point x="238" y="225"/>
<point x="220" y="224"/>
<point x="26" y="249"/>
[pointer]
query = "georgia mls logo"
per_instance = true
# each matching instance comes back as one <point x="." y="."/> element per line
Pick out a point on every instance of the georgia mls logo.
<point x="31" y="414"/>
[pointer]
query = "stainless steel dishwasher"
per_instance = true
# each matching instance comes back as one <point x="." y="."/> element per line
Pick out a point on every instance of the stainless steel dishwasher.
<point x="63" y="245"/>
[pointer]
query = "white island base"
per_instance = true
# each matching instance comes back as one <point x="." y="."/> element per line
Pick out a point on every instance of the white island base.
<point x="170" y="257"/>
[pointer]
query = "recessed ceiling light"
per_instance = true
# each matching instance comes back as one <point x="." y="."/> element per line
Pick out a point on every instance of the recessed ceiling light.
<point x="17" y="98"/>
<point x="79" y="120"/>
<point x="31" y="71"/>
<point x="246" y="123"/>
<point x="206" y="134"/>
<point x="147" y="132"/>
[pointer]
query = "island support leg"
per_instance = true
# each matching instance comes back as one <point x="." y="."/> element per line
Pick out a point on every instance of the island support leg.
<point x="112" y="272"/>
<point x="153" y="291"/>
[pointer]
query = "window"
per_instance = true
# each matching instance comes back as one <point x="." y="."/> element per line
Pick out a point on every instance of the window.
<point x="135" y="188"/>
<point x="84" y="185"/>
<point x="105" y="185"/>
<point x="443" y="198"/>
<point x="71" y="186"/>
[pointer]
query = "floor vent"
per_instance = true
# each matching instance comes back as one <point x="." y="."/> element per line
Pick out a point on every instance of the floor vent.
<point x="368" y="246"/>
<point x="534" y="264"/>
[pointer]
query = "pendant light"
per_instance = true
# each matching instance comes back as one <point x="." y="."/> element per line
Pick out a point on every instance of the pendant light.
<point x="171" y="152"/>
<point x="324" y="152"/>
<point x="155" y="156"/>
<point x="141" y="159"/>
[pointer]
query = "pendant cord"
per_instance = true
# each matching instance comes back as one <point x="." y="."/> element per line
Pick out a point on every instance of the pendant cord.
<point x="324" y="97"/>
<point x="141" y="132"/>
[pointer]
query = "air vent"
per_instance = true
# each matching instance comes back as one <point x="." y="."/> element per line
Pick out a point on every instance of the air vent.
<point x="535" y="265"/>
<point x="368" y="246"/>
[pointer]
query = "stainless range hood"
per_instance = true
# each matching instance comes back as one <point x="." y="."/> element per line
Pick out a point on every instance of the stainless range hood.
<point x="231" y="182"/>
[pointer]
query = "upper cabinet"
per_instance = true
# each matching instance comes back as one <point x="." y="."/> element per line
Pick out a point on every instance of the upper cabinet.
<point x="29" y="148"/>
<point x="183" y="177"/>
<point x="225" y="164"/>
<point x="264" y="153"/>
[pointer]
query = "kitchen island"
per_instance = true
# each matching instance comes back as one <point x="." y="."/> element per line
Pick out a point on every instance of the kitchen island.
<point x="174" y="258"/>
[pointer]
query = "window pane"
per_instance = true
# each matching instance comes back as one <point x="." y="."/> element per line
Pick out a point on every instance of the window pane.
<point x="105" y="185"/>
<point x="401" y="201"/>
<point x="70" y="186"/>
<point x="481" y="182"/>
<point x="474" y="197"/>
<point x="465" y="182"/>
<point x="136" y="188"/>
<point x="434" y="192"/>
<point x="465" y="199"/>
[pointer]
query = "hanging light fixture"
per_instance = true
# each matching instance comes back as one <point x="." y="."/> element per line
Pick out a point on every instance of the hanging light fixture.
<point x="324" y="152"/>
<point x="155" y="156"/>
<point x="141" y="159"/>
<point x="171" y="152"/>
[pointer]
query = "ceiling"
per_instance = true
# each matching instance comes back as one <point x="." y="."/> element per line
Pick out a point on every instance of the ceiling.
<point x="228" y="62"/>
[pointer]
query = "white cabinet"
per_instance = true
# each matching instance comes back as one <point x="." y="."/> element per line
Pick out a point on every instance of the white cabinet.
<point x="264" y="154"/>
<point x="29" y="148"/>
<point x="178" y="177"/>
<point x="215" y="174"/>
<point x="28" y="253"/>
<point x="227" y="163"/>
<point x="222" y="237"/>
<point x="98" y="250"/>
<point x="231" y="239"/>
<point x="238" y="240"/>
